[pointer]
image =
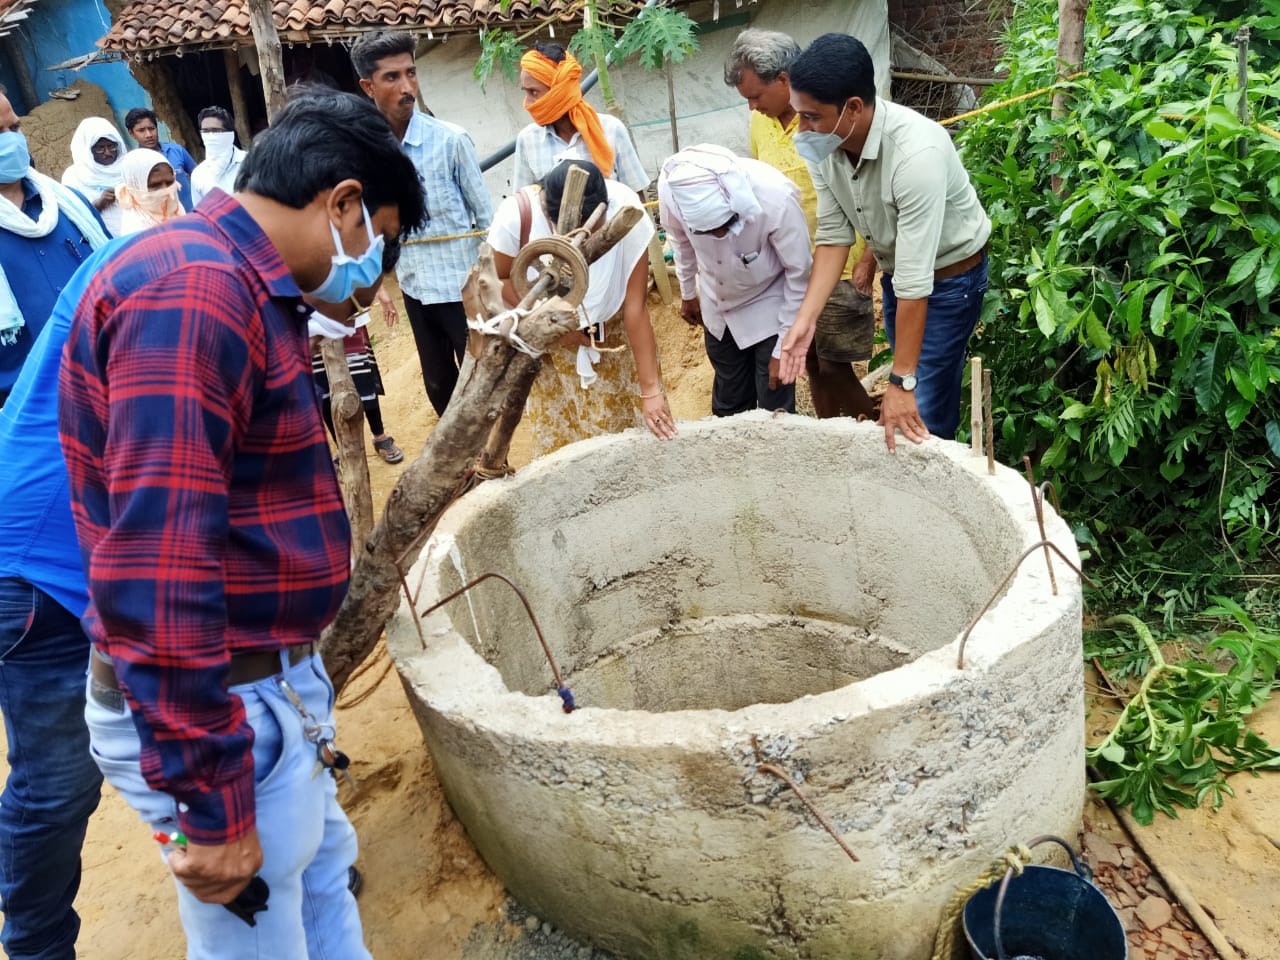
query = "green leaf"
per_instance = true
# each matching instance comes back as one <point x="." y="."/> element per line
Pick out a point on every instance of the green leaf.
<point x="656" y="34"/>
<point x="1074" y="412"/>
<point x="1268" y="277"/>
<point x="1172" y="471"/>
<point x="1160" y="310"/>
<point x="1096" y="332"/>
<point x="1273" y="436"/>
<point x="1113" y="752"/>
<point x="1164" y="130"/>
<point x="1237" y="412"/>
<point x="1209" y="381"/>
<point x="1244" y="267"/>
<point x="1045" y="319"/>
<point x="499" y="50"/>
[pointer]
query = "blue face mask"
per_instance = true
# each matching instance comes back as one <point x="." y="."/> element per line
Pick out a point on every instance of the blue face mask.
<point x="349" y="274"/>
<point x="816" y="147"/>
<point x="15" y="158"/>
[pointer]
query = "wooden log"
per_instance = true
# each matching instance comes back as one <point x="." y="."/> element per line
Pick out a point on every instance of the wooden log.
<point x="432" y="482"/>
<point x="239" y="106"/>
<point x="270" y="60"/>
<point x="348" y="429"/>
<point x="575" y="188"/>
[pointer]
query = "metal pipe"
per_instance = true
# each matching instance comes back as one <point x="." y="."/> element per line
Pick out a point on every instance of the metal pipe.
<point x="589" y="81"/>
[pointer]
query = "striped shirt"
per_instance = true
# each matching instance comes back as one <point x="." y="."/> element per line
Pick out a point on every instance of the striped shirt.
<point x="457" y="202"/>
<point x="539" y="149"/>
<point x="209" y="517"/>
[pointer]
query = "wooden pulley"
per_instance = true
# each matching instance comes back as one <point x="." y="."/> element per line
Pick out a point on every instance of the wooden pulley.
<point x="557" y="256"/>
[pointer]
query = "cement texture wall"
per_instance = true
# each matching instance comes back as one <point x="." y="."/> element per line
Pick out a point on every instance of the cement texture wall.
<point x="707" y="110"/>
<point x="789" y="558"/>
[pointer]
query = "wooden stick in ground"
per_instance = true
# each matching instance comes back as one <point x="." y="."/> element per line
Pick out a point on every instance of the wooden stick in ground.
<point x="975" y="405"/>
<point x="986" y="413"/>
<point x="348" y="430"/>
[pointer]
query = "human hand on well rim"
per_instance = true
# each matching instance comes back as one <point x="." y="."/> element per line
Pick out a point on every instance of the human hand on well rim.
<point x="658" y="417"/>
<point x="898" y="411"/>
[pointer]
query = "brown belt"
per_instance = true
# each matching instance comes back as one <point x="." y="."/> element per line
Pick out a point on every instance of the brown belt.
<point x="962" y="266"/>
<point x="245" y="667"/>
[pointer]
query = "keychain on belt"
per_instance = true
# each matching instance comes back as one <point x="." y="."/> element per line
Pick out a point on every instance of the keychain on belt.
<point x="328" y="756"/>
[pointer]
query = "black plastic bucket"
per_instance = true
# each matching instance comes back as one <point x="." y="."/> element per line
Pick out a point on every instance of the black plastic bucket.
<point x="1044" y="913"/>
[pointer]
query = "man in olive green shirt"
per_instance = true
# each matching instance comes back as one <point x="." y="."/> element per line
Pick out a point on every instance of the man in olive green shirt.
<point x="893" y="176"/>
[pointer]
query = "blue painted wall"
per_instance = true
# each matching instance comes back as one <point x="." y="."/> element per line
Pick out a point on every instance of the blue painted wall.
<point x="57" y="30"/>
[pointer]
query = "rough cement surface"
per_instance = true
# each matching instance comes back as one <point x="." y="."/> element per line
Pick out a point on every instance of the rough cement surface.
<point x="50" y="127"/>
<point x="651" y="833"/>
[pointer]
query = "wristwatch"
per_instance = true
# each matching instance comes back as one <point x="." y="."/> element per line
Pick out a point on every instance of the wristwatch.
<point x="907" y="382"/>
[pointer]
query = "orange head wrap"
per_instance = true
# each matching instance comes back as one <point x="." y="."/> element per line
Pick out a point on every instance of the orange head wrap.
<point x="564" y="96"/>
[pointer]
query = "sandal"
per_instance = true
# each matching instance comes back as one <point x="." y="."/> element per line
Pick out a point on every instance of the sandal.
<point x="388" y="450"/>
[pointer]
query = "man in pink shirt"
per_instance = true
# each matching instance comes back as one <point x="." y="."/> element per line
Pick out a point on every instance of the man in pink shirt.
<point x="741" y="246"/>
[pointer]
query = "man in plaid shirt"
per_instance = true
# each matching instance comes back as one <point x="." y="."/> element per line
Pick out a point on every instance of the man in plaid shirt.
<point x="212" y="527"/>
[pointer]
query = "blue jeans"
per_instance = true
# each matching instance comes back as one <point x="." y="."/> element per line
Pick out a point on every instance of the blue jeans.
<point x="53" y="785"/>
<point x="308" y="844"/>
<point x="953" y="311"/>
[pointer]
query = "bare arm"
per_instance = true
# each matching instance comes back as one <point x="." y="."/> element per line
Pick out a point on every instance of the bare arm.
<point x="898" y="410"/>
<point x="828" y="265"/>
<point x="644" y="345"/>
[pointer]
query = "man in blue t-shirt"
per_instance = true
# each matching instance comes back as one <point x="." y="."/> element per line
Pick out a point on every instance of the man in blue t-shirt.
<point x="144" y="127"/>
<point x="53" y="784"/>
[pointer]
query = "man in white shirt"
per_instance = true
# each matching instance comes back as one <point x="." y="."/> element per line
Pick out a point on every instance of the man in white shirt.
<point x="565" y="126"/>
<point x="222" y="158"/>
<point x="741" y="246"/>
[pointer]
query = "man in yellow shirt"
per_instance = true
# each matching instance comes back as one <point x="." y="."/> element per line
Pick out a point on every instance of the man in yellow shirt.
<point x="757" y="69"/>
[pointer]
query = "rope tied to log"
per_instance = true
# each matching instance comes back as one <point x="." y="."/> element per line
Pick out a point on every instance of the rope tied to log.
<point x="505" y="325"/>
<point x="1015" y="858"/>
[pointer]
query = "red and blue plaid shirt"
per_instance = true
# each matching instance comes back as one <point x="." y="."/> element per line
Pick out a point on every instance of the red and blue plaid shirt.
<point x="204" y="496"/>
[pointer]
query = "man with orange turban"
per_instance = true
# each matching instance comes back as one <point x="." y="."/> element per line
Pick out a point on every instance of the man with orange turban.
<point x="565" y="126"/>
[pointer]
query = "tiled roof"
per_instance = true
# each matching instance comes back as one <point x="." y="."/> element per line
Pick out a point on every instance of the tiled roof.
<point x="165" y="25"/>
<point x="12" y="12"/>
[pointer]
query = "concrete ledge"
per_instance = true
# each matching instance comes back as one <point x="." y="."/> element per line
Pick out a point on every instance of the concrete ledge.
<point x="788" y="558"/>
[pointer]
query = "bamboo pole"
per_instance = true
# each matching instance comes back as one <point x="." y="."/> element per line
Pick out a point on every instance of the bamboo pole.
<point x="239" y="106"/>
<point x="270" y="59"/>
<point x="986" y="413"/>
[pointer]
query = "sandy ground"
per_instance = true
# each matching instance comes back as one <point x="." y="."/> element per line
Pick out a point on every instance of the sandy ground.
<point x="427" y="896"/>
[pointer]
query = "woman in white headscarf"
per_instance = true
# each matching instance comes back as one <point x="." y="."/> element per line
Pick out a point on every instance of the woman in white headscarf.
<point x="148" y="192"/>
<point x="97" y="159"/>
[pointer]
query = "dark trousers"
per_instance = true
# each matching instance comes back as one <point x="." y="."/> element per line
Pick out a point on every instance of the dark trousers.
<point x="53" y="783"/>
<point x="742" y="377"/>
<point x="440" y="331"/>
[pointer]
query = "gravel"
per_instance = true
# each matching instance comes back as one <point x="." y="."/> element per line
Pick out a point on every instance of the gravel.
<point x="522" y="936"/>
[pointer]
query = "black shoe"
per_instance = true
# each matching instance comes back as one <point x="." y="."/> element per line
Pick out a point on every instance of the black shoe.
<point x="354" y="881"/>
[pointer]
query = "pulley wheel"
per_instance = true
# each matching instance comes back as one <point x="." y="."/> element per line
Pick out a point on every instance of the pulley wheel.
<point x="559" y="258"/>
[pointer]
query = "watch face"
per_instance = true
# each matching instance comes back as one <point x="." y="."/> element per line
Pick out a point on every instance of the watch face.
<point x="909" y="382"/>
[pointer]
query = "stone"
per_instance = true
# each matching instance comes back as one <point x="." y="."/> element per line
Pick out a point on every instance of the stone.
<point x="1154" y="912"/>
<point x="531" y="923"/>
<point x="1175" y="939"/>
<point x="1129" y="918"/>
<point x="1101" y="850"/>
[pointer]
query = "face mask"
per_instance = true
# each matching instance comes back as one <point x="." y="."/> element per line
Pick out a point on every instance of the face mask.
<point x="816" y="147"/>
<point x="218" y="144"/>
<point x="15" y="159"/>
<point x="162" y="203"/>
<point x="349" y="274"/>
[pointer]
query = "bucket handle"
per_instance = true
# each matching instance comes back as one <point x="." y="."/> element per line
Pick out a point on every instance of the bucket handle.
<point x="1082" y="871"/>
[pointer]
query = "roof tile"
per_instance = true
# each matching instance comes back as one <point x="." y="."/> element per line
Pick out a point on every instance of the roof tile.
<point x="162" y="25"/>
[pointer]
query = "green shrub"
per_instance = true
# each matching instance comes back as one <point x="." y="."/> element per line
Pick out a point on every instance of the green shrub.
<point x="1132" y="325"/>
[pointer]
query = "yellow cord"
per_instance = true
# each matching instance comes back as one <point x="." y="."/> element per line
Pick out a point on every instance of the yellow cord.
<point x="1016" y="857"/>
<point x="987" y="108"/>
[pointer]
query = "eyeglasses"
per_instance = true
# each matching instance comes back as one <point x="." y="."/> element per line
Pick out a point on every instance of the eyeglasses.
<point x="724" y="226"/>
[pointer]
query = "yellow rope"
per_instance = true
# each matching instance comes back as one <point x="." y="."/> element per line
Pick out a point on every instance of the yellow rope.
<point x="473" y="233"/>
<point x="1016" y="857"/>
<point x="987" y="108"/>
<point x="1260" y="127"/>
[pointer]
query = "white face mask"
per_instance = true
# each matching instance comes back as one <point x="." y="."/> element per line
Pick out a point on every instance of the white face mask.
<point x="218" y="145"/>
<point x="816" y="147"/>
